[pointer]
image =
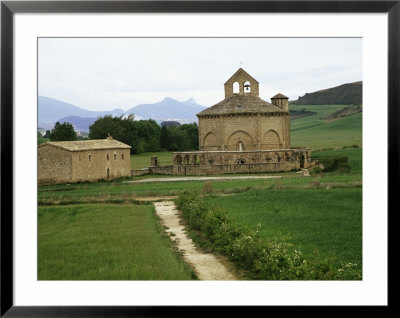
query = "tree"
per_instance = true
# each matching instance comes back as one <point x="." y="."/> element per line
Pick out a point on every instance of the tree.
<point x="165" y="138"/>
<point x="48" y="134"/>
<point x="63" y="132"/>
<point x="142" y="135"/>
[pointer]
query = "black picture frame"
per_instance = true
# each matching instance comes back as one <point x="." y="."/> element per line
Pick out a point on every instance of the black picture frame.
<point x="8" y="8"/>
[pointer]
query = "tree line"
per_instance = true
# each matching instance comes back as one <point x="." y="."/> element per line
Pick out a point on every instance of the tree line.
<point x="142" y="135"/>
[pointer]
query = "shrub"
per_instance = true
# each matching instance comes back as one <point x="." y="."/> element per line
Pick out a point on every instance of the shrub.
<point x="340" y="163"/>
<point x="258" y="258"/>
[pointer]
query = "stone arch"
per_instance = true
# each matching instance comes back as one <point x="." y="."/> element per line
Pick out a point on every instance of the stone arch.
<point x="235" y="88"/>
<point x="210" y="142"/>
<point x="246" y="87"/>
<point x="186" y="159"/>
<point x="274" y="157"/>
<point x="178" y="160"/>
<point x="271" y="140"/>
<point x="240" y="161"/>
<point x="240" y="138"/>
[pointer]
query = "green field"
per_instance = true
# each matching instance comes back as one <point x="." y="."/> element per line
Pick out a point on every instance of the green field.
<point x="105" y="242"/>
<point x="321" y="223"/>
<point x="42" y="140"/>
<point x="316" y="133"/>
<point x="86" y="229"/>
<point x="139" y="161"/>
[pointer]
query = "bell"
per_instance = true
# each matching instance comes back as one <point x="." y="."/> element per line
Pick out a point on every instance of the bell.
<point x="246" y="86"/>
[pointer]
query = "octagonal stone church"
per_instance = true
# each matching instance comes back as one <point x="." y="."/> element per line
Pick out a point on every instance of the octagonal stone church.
<point x="243" y="133"/>
<point x="243" y="121"/>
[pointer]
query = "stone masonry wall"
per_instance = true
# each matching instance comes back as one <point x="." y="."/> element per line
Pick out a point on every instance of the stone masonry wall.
<point x="224" y="168"/>
<point x="250" y="129"/>
<point x="99" y="166"/>
<point x="54" y="165"/>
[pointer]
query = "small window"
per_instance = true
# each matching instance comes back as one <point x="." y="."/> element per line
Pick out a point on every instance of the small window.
<point x="108" y="158"/>
<point x="122" y="156"/>
<point x="115" y="156"/>
<point x="90" y="157"/>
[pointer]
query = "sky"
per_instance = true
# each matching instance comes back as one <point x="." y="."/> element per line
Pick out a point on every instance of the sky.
<point x="109" y="73"/>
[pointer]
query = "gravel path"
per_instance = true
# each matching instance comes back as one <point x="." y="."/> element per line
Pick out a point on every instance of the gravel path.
<point x="200" y="178"/>
<point x="207" y="266"/>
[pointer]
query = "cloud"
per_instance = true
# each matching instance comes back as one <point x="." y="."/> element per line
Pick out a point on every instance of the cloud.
<point x="99" y="73"/>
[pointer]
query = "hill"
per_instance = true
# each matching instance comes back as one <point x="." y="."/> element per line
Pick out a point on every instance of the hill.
<point x="318" y="133"/>
<point x="344" y="112"/>
<point x="51" y="110"/>
<point x="346" y="94"/>
<point x="79" y="123"/>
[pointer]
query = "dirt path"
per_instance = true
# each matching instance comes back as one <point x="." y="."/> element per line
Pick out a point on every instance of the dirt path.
<point x="200" y="178"/>
<point x="207" y="266"/>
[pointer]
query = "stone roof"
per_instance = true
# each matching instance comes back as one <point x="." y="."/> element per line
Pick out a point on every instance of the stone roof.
<point x="280" y="96"/>
<point x="238" y="104"/>
<point x="81" y="145"/>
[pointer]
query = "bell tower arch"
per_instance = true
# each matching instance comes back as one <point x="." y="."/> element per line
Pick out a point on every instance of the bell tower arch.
<point x="247" y="84"/>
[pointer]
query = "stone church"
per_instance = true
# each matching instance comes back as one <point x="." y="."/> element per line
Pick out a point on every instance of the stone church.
<point x="243" y="133"/>
<point x="243" y="121"/>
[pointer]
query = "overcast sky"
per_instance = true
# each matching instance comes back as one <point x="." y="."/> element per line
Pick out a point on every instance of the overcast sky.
<point x="108" y="73"/>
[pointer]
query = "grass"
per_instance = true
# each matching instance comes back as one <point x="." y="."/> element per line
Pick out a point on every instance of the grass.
<point x="316" y="133"/>
<point x="85" y="234"/>
<point x="321" y="223"/>
<point x="142" y="160"/>
<point x="42" y="140"/>
<point x="105" y="242"/>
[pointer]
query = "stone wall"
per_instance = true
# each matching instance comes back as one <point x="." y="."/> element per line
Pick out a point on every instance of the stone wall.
<point x="139" y="172"/>
<point x="241" y="77"/>
<point x="253" y="131"/>
<point x="243" y="157"/>
<point x="92" y="165"/>
<point x="54" y="165"/>
<point x="224" y="168"/>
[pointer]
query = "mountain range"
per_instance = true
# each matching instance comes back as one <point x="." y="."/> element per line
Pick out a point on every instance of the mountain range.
<point x="51" y="110"/>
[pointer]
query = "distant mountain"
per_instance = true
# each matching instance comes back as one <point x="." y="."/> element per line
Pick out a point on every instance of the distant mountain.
<point x="169" y="109"/>
<point x="51" y="110"/>
<point x="346" y="94"/>
<point x="79" y="123"/>
<point x="170" y="123"/>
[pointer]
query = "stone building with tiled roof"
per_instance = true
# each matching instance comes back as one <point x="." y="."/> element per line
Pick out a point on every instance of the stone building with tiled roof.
<point x="243" y="133"/>
<point x="82" y="160"/>
<point x="243" y="121"/>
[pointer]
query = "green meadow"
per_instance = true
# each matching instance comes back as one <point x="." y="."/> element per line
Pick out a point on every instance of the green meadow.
<point x="103" y="231"/>
<point x="105" y="242"/>
<point x="317" y="133"/>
